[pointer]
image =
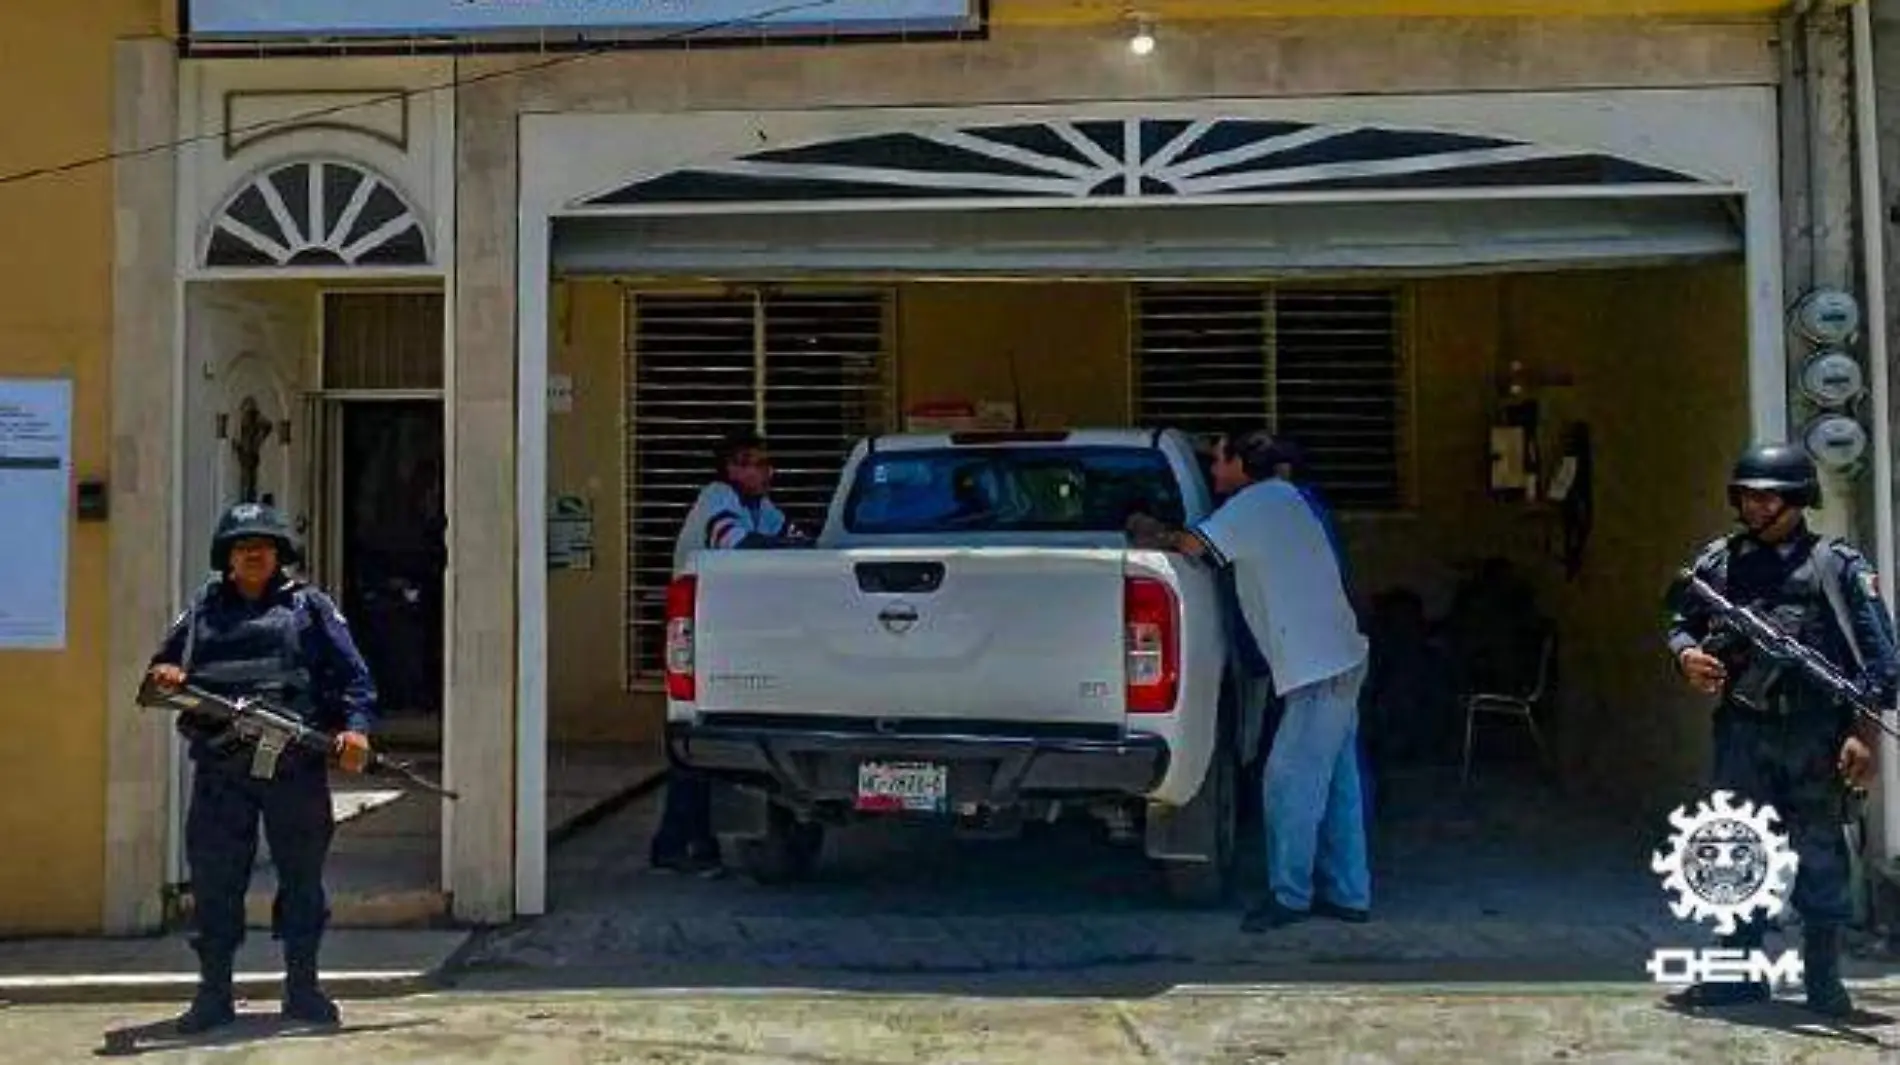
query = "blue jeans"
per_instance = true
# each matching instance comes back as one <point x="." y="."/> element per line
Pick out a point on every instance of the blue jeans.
<point x="1315" y="815"/>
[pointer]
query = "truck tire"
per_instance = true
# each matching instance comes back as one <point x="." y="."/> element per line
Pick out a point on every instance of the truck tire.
<point x="1210" y="883"/>
<point x="787" y="853"/>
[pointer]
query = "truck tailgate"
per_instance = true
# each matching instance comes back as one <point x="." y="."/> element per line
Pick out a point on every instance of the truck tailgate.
<point x="980" y="634"/>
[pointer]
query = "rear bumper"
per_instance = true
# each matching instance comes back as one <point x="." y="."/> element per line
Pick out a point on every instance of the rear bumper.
<point x="817" y="762"/>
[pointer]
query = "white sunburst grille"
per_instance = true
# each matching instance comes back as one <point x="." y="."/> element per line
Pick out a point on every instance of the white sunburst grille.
<point x="1086" y="158"/>
<point x="317" y="213"/>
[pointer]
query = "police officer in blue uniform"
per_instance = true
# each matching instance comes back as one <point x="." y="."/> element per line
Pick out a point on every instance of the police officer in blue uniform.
<point x="1778" y="740"/>
<point x="253" y="630"/>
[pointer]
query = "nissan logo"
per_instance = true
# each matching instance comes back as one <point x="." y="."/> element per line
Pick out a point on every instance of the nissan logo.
<point x="898" y="618"/>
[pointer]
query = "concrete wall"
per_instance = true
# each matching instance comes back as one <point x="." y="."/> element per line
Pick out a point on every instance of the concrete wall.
<point x="1627" y="348"/>
<point x="56" y="319"/>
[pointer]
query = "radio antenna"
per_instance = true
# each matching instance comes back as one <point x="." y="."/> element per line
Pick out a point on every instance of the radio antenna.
<point x="1016" y="391"/>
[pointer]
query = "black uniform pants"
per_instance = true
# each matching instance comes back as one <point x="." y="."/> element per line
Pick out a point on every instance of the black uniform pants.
<point x="221" y="847"/>
<point x="1791" y="763"/>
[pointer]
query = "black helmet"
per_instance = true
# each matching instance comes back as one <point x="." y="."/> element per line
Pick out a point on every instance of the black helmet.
<point x="1783" y="469"/>
<point x="247" y="520"/>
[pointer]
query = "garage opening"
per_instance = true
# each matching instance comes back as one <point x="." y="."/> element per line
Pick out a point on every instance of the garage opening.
<point x="1400" y="385"/>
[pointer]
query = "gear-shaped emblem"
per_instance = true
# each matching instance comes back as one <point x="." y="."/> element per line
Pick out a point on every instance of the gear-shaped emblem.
<point x="1726" y="862"/>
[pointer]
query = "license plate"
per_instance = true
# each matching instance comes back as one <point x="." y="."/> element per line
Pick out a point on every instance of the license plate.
<point x="909" y="787"/>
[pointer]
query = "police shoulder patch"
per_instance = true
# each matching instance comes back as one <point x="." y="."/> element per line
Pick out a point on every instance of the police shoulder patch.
<point x="317" y="599"/>
<point x="1869" y="582"/>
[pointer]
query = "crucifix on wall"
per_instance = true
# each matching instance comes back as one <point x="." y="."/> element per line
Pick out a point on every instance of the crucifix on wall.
<point x="252" y="430"/>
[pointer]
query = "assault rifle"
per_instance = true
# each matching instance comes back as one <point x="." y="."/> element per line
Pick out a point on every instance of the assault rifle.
<point x="271" y="731"/>
<point x="1782" y="652"/>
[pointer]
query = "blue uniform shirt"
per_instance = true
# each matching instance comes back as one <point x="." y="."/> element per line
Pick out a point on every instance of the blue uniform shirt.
<point x="342" y="685"/>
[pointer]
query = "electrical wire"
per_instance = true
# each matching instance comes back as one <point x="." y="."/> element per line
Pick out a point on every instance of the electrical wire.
<point x="452" y="84"/>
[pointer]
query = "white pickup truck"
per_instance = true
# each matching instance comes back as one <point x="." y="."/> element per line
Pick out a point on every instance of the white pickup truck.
<point x="972" y="636"/>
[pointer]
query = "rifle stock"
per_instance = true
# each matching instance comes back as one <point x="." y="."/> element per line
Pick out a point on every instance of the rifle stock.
<point x="271" y="730"/>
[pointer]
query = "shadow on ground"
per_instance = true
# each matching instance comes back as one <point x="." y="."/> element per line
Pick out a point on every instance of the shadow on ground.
<point x="250" y="1028"/>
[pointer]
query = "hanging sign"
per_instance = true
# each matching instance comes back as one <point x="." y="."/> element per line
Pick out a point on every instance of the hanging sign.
<point x="270" y="19"/>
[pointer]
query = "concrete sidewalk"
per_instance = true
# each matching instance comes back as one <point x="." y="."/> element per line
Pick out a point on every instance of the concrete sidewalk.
<point x="1266" y="1025"/>
<point x="357" y="963"/>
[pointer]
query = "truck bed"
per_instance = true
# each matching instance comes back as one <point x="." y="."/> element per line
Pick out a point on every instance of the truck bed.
<point x="1031" y="635"/>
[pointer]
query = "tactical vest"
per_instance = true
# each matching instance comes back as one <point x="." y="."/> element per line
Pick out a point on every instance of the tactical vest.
<point x="242" y="649"/>
<point x="1792" y="595"/>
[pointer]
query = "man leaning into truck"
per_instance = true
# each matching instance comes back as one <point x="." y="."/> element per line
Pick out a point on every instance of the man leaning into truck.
<point x="1294" y="600"/>
<point x="734" y="512"/>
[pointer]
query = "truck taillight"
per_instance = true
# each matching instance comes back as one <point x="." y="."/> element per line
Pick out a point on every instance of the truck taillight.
<point x="1153" y="642"/>
<point x="680" y="598"/>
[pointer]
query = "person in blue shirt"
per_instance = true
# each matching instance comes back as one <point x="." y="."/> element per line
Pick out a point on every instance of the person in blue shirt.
<point x="253" y="630"/>
<point x="734" y="512"/>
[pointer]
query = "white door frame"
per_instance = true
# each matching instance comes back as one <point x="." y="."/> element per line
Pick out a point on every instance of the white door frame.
<point x="531" y="590"/>
<point x="1768" y="419"/>
<point x="541" y="201"/>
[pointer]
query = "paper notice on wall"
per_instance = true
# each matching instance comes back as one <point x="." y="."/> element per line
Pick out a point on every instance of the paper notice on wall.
<point x="571" y="534"/>
<point x="35" y="472"/>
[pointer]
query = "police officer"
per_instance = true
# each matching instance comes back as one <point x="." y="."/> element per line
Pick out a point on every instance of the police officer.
<point x="1783" y="743"/>
<point x="253" y="630"/>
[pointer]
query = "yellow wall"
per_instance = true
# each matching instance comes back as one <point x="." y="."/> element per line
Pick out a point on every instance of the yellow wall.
<point x="585" y="612"/>
<point x="56" y="320"/>
<point x="1067" y="12"/>
<point x="1649" y="338"/>
<point x="1662" y="384"/>
<point x="1067" y="344"/>
<point x="1654" y="362"/>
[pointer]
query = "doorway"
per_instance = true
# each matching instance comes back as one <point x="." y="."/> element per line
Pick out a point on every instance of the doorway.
<point x="377" y="450"/>
<point x="393" y="551"/>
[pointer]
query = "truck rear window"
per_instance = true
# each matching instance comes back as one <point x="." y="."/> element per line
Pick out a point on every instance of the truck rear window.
<point x="974" y="489"/>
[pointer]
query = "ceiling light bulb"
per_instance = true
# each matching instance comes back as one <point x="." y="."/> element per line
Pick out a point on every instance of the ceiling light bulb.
<point x="1143" y="42"/>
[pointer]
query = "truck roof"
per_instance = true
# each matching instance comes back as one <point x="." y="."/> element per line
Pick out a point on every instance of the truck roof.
<point x="1018" y="438"/>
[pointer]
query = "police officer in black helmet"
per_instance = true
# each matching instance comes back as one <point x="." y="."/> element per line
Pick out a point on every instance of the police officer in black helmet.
<point x="1779" y="741"/>
<point x="253" y="630"/>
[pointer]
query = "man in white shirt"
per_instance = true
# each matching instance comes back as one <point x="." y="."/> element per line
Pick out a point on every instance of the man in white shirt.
<point x="1287" y="578"/>
<point x="734" y="512"/>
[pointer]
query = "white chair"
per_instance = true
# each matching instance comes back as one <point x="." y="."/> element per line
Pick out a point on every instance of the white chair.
<point x="1523" y="706"/>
